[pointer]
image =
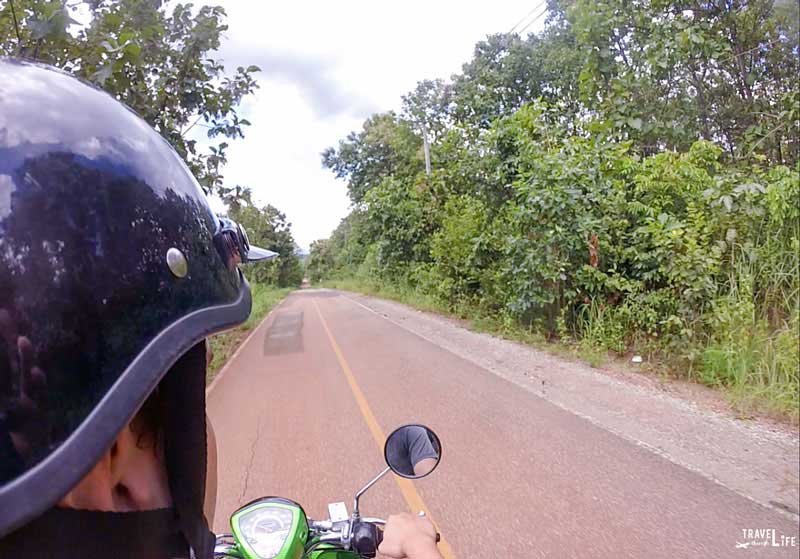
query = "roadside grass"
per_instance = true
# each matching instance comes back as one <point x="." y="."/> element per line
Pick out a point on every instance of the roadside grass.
<point x="223" y="345"/>
<point x="764" y="368"/>
<point x="407" y="296"/>
<point x="759" y="370"/>
<point x="475" y="318"/>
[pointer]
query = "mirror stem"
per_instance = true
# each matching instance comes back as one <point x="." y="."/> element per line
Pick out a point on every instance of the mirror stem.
<point x="363" y="490"/>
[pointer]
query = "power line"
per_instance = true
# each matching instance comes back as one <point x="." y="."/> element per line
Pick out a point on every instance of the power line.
<point x="534" y="20"/>
<point x="484" y="63"/>
<point x="536" y="7"/>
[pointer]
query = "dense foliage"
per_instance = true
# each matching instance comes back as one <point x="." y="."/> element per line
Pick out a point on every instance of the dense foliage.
<point x="627" y="179"/>
<point x="267" y="228"/>
<point x="159" y="62"/>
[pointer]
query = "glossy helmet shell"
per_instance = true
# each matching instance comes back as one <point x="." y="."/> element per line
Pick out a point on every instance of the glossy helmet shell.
<point x="93" y="311"/>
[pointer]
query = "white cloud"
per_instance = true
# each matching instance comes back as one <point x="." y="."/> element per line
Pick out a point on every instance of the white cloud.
<point x="326" y="66"/>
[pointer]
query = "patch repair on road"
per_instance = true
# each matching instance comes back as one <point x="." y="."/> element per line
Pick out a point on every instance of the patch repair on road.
<point x="285" y="335"/>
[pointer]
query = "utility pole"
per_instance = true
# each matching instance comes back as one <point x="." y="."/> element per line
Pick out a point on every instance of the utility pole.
<point x="347" y="246"/>
<point x="427" y="150"/>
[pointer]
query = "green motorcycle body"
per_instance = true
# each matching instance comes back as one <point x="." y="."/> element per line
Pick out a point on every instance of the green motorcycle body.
<point x="277" y="528"/>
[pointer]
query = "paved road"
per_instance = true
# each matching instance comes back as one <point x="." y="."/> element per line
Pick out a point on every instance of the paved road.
<point x="300" y="408"/>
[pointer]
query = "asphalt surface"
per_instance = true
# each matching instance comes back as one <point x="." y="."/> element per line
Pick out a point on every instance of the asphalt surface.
<point x="300" y="408"/>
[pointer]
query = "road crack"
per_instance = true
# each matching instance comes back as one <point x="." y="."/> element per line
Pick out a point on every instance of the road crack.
<point x="250" y="463"/>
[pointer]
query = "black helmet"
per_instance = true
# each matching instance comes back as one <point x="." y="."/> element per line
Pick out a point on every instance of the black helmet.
<point x="112" y="268"/>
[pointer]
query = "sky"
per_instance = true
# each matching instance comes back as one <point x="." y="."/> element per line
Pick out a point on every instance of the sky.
<point x="326" y="67"/>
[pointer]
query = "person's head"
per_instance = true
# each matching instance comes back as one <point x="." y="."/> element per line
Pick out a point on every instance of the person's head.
<point x="113" y="271"/>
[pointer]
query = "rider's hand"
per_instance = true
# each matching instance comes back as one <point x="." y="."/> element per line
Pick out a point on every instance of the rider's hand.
<point x="408" y="536"/>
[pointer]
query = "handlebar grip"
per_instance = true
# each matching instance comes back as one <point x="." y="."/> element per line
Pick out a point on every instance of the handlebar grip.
<point x="366" y="538"/>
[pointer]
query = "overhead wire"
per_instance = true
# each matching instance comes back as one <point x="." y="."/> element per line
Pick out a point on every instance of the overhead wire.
<point x="534" y="20"/>
<point x="526" y="16"/>
<point x="485" y="63"/>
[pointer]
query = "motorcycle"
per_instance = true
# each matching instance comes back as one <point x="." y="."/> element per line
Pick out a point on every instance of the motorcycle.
<point x="278" y="528"/>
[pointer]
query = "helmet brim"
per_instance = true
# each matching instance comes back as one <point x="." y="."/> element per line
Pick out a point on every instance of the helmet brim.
<point x="255" y="254"/>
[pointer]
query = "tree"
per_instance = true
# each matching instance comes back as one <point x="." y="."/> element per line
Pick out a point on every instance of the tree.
<point x="267" y="227"/>
<point x="236" y="197"/>
<point x="668" y="73"/>
<point x="507" y="71"/>
<point x="428" y="107"/>
<point x="320" y="260"/>
<point x="386" y="146"/>
<point x="160" y="64"/>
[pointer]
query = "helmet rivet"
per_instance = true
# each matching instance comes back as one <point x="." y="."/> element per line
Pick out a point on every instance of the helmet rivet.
<point x="177" y="263"/>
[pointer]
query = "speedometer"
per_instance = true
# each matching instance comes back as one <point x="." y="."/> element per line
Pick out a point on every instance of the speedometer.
<point x="266" y="530"/>
<point x="270" y="528"/>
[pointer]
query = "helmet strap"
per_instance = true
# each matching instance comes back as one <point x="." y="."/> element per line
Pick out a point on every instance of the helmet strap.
<point x="183" y="399"/>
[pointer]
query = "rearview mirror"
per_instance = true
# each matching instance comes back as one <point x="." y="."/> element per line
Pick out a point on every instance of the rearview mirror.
<point x="412" y="451"/>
